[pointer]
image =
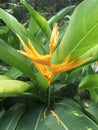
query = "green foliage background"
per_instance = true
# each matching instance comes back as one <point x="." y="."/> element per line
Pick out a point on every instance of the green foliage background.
<point x="25" y="112"/>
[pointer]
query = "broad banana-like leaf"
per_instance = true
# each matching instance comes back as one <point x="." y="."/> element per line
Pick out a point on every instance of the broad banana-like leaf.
<point x="89" y="82"/>
<point x="13" y="24"/>
<point x="62" y="30"/>
<point x="35" y="31"/>
<point x="68" y="112"/>
<point x="41" y="21"/>
<point x="12" y="88"/>
<point x="70" y="117"/>
<point x="19" y="29"/>
<point x="33" y="119"/>
<point x="12" y="57"/>
<point x="33" y="27"/>
<point x="4" y="77"/>
<point x="91" y="109"/>
<point x="81" y="34"/>
<point x="93" y="52"/>
<point x="10" y="119"/>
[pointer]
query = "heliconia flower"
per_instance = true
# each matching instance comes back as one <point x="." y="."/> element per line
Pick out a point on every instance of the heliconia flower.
<point x="54" y="39"/>
<point x="42" y="62"/>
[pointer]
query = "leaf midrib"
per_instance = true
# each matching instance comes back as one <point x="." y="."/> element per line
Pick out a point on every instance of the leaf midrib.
<point x="37" y="122"/>
<point x="85" y="36"/>
<point x="12" y="120"/>
<point x="65" y="127"/>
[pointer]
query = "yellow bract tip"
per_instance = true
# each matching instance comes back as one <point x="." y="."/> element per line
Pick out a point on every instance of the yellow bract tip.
<point x="56" y="116"/>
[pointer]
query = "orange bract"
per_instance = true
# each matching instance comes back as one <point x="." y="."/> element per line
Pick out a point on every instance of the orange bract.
<point x="42" y="63"/>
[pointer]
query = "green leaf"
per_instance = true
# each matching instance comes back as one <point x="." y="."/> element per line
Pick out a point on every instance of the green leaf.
<point x="33" y="119"/>
<point x="41" y="21"/>
<point x="1" y="111"/>
<point x="42" y="81"/>
<point x="71" y="118"/>
<point x="12" y="57"/>
<point x="13" y="24"/>
<point x="13" y="73"/>
<point x="3" y="29"/>
<point x="89" y="82"/>
<point x="4" y="32"/>
<point x="4" y="77"/>
<point x="33" y="27"/>
<point x="35" y="31"/>
<point x="74" y="75"/>
<point x="69" y="112"/>
<point x="81" y="34"/>
<point x="93" y="52"/>
<point x="94" y="95"/>
<point x="58" y="87"/>
<point x="10" y="88"/>
<point x="10" y="119"/>
<point x="92" y="110"/>
<point x="60" y="15"/>
<point x="19" y="29"/>
<point x="62" y="30"/>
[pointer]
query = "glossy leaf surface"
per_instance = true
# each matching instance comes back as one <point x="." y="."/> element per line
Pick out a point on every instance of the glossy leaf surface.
<point x="81" y="35"/>
<point x="10" y="119"/>
<point x="12" y="57"/>
<point x="41" y="21"/>
<point x="10" y="88"/>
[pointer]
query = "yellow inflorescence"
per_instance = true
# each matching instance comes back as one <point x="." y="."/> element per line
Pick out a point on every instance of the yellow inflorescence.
<point x="42" y="63"/>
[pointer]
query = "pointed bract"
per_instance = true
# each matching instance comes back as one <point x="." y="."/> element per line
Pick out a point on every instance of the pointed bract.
<point x="42" y="62"/>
